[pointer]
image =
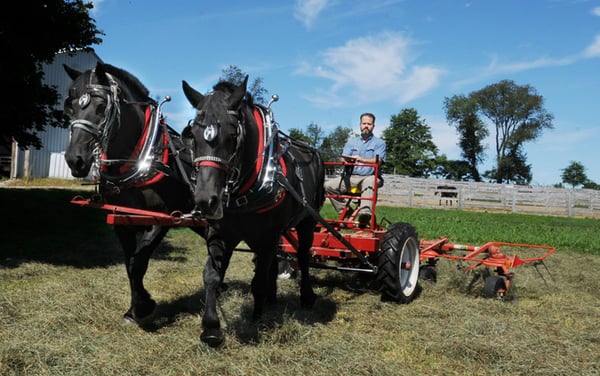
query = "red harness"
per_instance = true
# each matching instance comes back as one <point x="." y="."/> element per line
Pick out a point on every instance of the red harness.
<point x="252" y="180"/>
<point x="137" y="150"/>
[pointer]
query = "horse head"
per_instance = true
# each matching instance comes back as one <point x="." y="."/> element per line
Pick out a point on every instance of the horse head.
<point x="95" y="107"/>
<point x="216" y="137"/>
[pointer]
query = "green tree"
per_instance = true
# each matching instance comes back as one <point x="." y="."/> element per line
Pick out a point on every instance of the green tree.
<point x="452" y="169"/>
<point x="333" y="144"/>
<point x="519" y="116"/>
<point x="298" y="134"/>
<point x="409" y="146"/>
<point x="588" y="184"/>
<point x="461" y="112"/>
<point x="514" y="167"/>
<point x="235" y="75"/>
<point x="314" y="133"/>
<point x="574" y="174"/>
<point x="30" y="35"/>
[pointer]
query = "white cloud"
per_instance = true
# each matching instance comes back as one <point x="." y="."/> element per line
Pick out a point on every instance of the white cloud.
<point x="307" y="11"/>
<point x="596" y="11"/>
<point x="495" y="68"/>
<point x="593" y="50"/>
<point x="534" y="64"/>
<point x="374" y="68"/>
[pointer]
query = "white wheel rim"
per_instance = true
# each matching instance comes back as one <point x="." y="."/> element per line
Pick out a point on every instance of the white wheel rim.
<point x="408" y="277"/>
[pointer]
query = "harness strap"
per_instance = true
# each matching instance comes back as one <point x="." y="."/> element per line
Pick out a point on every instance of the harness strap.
<point x="85" y="125"/>
<point x="259" y="153"/>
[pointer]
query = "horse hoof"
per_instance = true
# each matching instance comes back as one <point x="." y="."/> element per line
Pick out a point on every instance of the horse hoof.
<point x="145" y="310"/>
<point x="212" y="338"/>
<point x="131" y="318"/>
<point x="128" y="319"/>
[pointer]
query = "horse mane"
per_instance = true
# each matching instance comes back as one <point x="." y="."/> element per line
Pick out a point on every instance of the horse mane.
<point x="129" y="79"/>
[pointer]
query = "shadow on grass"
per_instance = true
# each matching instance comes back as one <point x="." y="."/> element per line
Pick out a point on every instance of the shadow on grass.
<point x="243" y="327"/>
<point x="42" y="225"/>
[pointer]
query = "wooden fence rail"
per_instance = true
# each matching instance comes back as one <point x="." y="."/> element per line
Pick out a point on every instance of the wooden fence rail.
<point x="447" y="194"/>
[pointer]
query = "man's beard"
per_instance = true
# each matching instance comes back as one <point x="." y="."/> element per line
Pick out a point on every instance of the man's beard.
<point x="366" y="133"/>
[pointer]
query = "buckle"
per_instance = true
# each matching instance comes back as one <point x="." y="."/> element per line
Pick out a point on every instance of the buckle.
<point x="241" y="201"/>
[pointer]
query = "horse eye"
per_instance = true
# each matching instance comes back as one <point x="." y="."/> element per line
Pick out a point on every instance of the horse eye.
<point x="189" y="142"/>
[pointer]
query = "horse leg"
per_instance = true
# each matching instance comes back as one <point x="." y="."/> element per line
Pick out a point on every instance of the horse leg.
<point x="219" y="254"/>
<point x="272" y="279"/>
<point x="264" y="282"/>
<point x="305" y="231"/>
<point x="137" y="256"/>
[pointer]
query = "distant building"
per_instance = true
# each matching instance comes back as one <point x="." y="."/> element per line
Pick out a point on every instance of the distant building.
<point x="49" y="161"/>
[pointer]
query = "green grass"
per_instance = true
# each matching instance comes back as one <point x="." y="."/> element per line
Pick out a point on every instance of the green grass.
<point x="568" y="234"/>
<point x="63" y="289"/>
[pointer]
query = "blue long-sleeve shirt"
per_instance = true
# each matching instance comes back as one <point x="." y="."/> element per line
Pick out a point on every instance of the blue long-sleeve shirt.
<point x="370" y="148"/>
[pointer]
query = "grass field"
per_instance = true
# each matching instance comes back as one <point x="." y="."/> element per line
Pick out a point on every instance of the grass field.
<point x="63" y="290"/>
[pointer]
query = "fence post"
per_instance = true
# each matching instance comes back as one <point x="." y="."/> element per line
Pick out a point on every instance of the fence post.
<point x="514" y="200"/>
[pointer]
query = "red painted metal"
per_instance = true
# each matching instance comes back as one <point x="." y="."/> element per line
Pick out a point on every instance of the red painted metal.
<point x="489" y="254"/>
<point x="123" y="215"/>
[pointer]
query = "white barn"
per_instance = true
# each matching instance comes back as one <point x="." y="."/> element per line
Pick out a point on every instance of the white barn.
<point x="49" y="161"/>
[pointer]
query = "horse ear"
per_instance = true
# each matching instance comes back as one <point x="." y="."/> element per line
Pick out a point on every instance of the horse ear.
<point x="238" y="94"/>
<point x="193" y="96"/>
<point x="99" y="70"/>
<point x="72" y="73"/>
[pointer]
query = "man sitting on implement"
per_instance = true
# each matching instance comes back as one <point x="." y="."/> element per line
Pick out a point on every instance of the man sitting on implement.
<point x="363" y="149"/>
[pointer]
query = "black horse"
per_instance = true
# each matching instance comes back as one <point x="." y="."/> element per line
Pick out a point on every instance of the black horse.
<point x="247" y="174"/>
<point x="137" y="160"/>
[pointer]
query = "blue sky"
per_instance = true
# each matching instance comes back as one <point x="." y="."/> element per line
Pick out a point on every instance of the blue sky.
<point x="331" y="60"/>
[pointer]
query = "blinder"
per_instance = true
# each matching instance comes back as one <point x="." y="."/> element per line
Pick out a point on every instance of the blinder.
<point x="100" y="131"/>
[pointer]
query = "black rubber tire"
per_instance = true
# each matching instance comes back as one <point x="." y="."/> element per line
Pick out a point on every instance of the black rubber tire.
<point x="428" y="273"/>
<point x="399" y="249"/>
<point x="493" y="284"/>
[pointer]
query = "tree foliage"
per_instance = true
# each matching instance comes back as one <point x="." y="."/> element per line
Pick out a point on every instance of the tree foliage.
<point x="513" y="166"/>
<point x="298" y="134"/>
<point x="235" y="75"/>
<point x="30" y="107"/>
<point x="333" y="144"/>
<point x="519" y="116"/>
<point x="330" y="146"/>
<point x="314" y="133"/>
<point x="461" y="112"/>
<point x="574" y="174"/>
<point x="452" y="169"/>
<point x="409" y="146"/>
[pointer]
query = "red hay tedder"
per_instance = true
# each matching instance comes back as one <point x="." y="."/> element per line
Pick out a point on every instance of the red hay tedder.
<point x="389" y="251"/>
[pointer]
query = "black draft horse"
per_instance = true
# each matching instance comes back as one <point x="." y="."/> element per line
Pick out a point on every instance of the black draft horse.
<point x="242" y="168"/>
<point x="139" y="162"/>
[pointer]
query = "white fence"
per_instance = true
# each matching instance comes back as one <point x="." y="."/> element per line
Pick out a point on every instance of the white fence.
<point x="426" y="193"/>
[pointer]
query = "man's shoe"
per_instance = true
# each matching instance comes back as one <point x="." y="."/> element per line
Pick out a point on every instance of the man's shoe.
<point x="364" y="219"/>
